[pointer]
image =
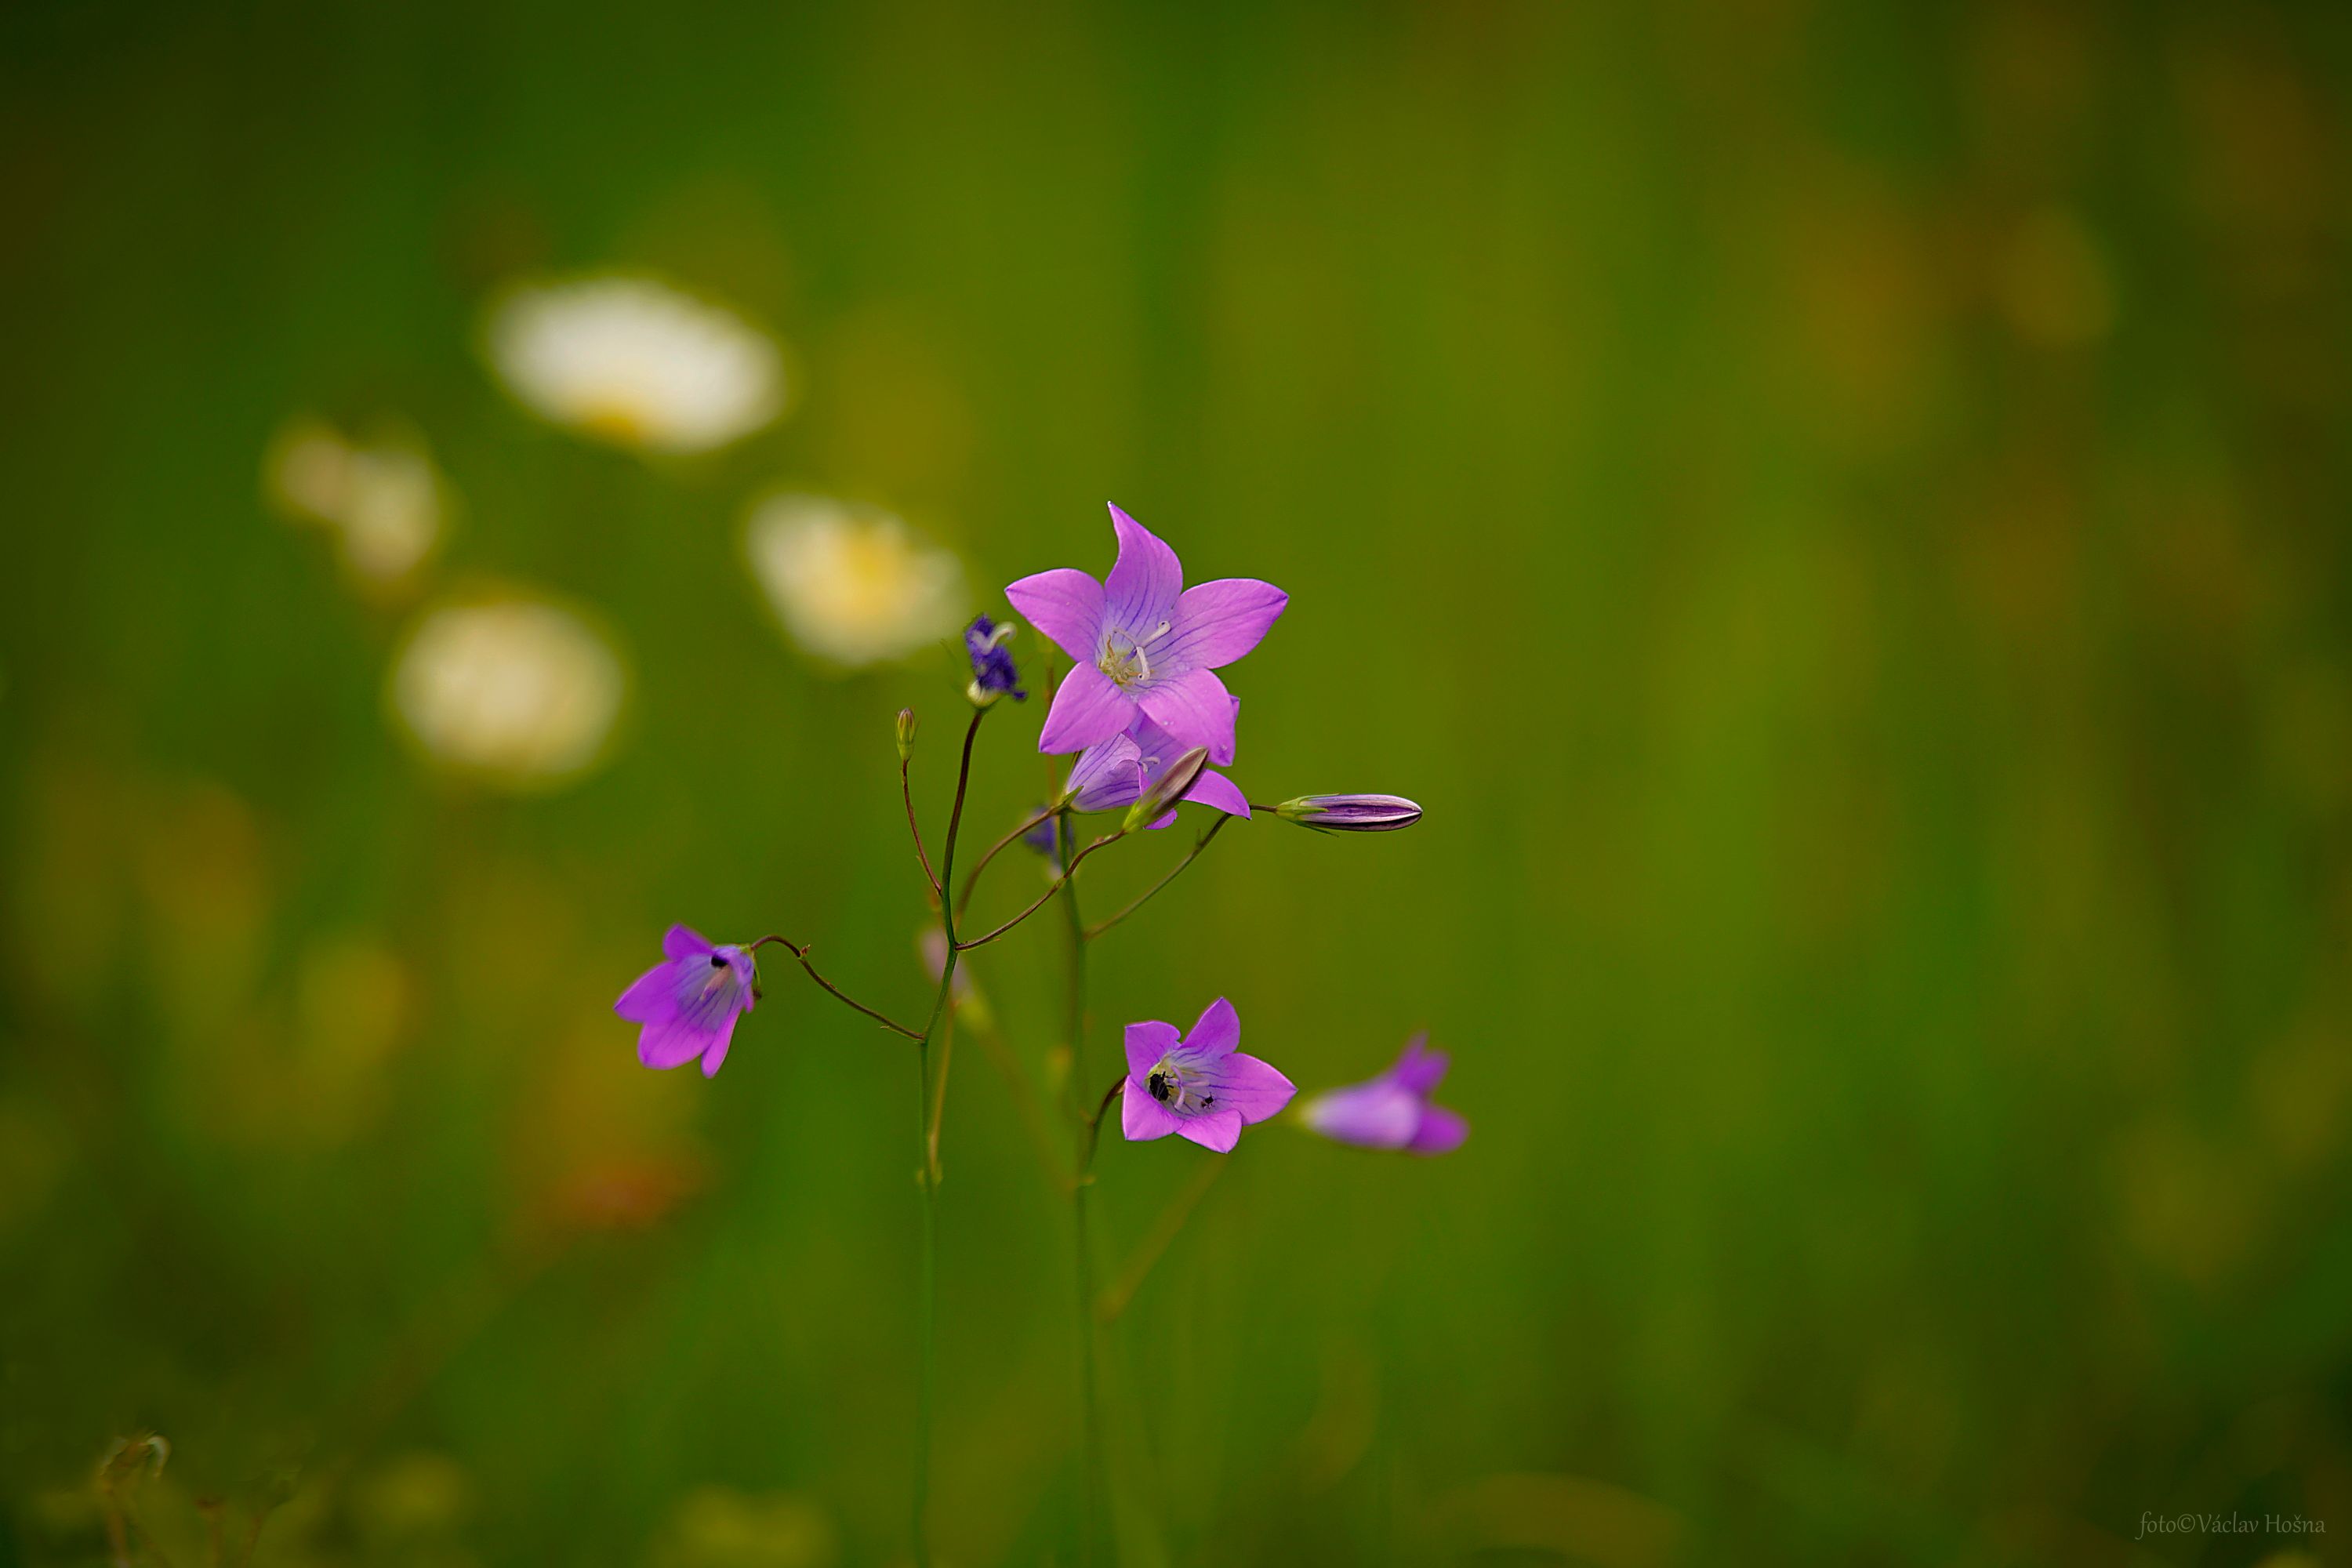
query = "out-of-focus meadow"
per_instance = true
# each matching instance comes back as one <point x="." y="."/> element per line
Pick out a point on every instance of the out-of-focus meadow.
<point x="1840" y="513"/>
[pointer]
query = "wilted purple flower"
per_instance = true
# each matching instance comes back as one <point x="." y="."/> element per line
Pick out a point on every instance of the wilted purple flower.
<point x="1197" y="1085"/>
<point x="1116" y="773"/>
<point x="1144" y="645"/>
<point x="1350" y="812"/>
<point x="993" y="674"/>
<point x="1392" y="1111"/>
<point x="688" y="1003"/>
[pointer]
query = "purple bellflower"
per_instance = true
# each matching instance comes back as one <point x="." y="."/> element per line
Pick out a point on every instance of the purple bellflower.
<point x="1197" y="1085"/>
<point x="688" y="1003"/>
<point x="1117" y="773"/>
<point x="1143" y="644"/>
<point x="1392" y="1111"/>
<point x="993" y="674"/>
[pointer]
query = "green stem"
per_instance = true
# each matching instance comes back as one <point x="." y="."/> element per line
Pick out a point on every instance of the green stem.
<point x="1089" y="1434"/>
<point x="927" y="1174"/>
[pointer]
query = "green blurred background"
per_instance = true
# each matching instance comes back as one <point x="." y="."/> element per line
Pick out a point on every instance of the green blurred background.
<point x="1839" y="512"/>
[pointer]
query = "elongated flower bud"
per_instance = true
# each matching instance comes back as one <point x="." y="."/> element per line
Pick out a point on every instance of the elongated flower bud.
<point x="905" y="733"/>
<point x="1350" y="812"/>
<point x="1166" y="789"/>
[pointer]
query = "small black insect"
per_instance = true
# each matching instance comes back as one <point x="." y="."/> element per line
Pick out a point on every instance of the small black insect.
<point x="1158" y="1083"/>
<point x="717" y="962"/>
<point x="1208" y="1100"/>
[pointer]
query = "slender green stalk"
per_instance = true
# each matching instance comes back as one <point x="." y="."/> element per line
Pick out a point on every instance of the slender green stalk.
<point x="927" y="1172"/>
<point x="907" y="794"/>
<point x="1122" y="1290"/>
<point x="1081" y="1168"/>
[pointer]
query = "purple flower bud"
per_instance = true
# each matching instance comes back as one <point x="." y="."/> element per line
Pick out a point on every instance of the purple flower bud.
<point x="1350" y="812"/>
<point x="993" y="674"/>
<point x="1166" y="789"/>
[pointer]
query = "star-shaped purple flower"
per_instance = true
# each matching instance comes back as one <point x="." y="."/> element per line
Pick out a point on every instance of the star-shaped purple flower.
<point x="688" y="1003"/>
<point x="1392" y="1111"/>
<point x="1143" y="644"/>
<point x="1199" y="1085"/>
<point x="1115" y="773"/>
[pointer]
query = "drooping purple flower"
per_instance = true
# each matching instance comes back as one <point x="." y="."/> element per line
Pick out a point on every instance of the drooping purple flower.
<point x="993" y="674"/>
<point x="1114" y="774"/>
<point x="1350" y="812"/>
<point x="1392" y="1111"/>
<point x="1143" y="644"/>
<point x="1197" y="1085"/>
<point x="688" y="1003"/>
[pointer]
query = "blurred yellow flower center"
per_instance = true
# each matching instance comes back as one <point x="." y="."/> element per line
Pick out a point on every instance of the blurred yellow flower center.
<point x="617" y="419"/>
<point x="871" y="575"/>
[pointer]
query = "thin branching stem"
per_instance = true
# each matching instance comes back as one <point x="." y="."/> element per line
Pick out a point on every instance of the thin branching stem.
<point x="907" y="794"/>
<point x="927" y="1293"/>
<point x="1144" y="896"/>
<point x="801" y="952"/>
<point x="963" y="900"/>
<point x="1058" y="883"/>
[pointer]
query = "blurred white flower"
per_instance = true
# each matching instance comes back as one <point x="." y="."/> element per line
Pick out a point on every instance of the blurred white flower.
<point x="636" y="362"/>
<point x="852" y="584"/>
<point x="384" y="500"/>
<point x="515" y="689"/>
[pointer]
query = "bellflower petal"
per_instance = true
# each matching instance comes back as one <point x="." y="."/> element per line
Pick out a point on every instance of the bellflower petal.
<point x="1107" y="775"/>
<point x="684" y="942"/>
<point x="1217" y="1132"/>
<point x="1420" y="1070"/>
<point x="1090" y="707"/>
<point x="1146" y="1044"/>
<point x="1216" y="1032"/>
<point x="1145" y="581"/>
<point x="1252" y="1088"/>
<point x="1066" y="606"/>
<point x="1440" y="1131"/>
<point x="1195" y="707"/>
<point x="670" y="1044"/>
<point x="1218" y="793"/>
<point x="1217" y="623"/>
<point x="715" y="1055"/>
<point x="1142" y="1118"/>
<point x="1375" y="1115"/>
